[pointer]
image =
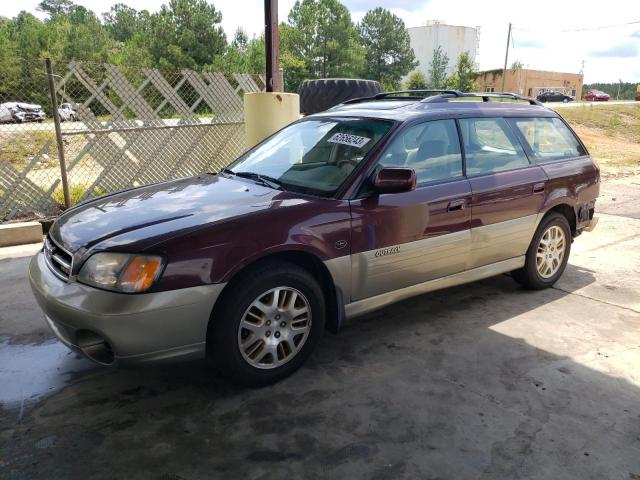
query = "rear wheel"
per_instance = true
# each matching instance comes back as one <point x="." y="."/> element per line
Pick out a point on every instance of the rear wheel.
<point x="548" y="253"/>
<point x="269" y="323"/>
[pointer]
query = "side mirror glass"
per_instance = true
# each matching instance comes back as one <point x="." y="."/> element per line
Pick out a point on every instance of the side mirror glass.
<point x="395" y="180"/>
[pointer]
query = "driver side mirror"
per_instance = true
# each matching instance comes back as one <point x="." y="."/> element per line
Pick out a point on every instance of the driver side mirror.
<point x="395" y="180"/>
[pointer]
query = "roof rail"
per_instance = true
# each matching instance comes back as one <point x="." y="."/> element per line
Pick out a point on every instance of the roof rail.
<point x="441" y="95"/>
<point x="419" y="92"/>
<point x="486" y="96"/>
<point x="406" y="95"/>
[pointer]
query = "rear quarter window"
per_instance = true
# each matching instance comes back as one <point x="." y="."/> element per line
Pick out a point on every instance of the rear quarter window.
<point x="548" y="139"/>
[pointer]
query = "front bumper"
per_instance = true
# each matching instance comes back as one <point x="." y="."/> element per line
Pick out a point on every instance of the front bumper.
<point x="141" y="328"/>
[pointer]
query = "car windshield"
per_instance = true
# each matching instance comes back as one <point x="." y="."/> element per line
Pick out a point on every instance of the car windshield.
<point x="312" y="156"/>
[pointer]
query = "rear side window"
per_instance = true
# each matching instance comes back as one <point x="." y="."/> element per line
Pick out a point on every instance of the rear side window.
<point x="431" y="148"/>
<point x="490" y="146"/>
<point x="549" y="139"/>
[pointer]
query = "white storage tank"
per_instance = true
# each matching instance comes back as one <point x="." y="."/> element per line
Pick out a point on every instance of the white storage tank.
<point x="453" y="40"/>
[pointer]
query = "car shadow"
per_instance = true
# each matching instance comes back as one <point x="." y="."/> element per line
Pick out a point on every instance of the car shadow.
<point x="486" y="380"/>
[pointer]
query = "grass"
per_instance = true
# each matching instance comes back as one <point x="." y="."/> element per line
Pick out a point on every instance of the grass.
<point x="611" y="120"/>
<point x="612" y="135"/>
<point x="76" y="192"/>
<point x="20" y="147"/>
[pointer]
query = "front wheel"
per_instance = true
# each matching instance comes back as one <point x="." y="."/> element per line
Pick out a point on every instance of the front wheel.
<point x="547" y="256"/>
<point x="268" y="324"/>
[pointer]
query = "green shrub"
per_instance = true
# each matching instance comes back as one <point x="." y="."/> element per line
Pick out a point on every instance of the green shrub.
<point x="76" y="192"/>
<point x="416" y="81"/>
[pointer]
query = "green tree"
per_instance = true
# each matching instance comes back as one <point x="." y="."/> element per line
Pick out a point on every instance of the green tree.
<point x="186" y="33"/>
<point x="133" y="52"/>
<point x="241" y="55"/>
<point x="416" y="81"/>
<point x="464" y="74"/>
<point x="517" y="65"/>
<point x="87" y="39"/>
<point x="438" y="68"/>
<point x="10" y="71"/>
<point x="388" y="53"/>
<point x="55" y="7"/>
<point x="123" y="22"/>
<point x="293" y="65"/>
<point x="27" y="33"/>
<point x="324" y="38"/>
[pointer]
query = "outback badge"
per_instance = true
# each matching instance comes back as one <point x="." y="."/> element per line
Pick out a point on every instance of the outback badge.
<point x="387" y="251"/>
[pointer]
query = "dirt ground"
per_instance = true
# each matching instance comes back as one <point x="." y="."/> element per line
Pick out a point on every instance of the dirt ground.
<point x="482" y="381"/>
<point x="611" y="133"/>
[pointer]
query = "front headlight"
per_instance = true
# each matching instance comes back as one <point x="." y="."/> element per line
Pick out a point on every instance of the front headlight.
<point x="121" y="272"/>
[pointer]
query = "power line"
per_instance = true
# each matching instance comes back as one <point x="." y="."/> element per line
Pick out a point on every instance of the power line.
<point x="586" y="29"/>
<point x="601" y="27"/>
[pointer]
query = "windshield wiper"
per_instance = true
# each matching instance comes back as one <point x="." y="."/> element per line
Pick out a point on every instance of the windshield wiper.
<point x="265" y="180"/>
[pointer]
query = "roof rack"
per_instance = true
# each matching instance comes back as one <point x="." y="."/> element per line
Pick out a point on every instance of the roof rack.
<point x="406" y="95"/>
<point x="486" y="96"/>
<point x="441" y="95"/>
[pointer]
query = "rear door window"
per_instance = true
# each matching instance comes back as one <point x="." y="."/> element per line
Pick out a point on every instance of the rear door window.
<point x="549" y="139"/>
<point x="490" y="146"/>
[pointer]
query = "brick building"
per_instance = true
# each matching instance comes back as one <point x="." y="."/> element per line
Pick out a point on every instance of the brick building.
<point x="530" y="82"/>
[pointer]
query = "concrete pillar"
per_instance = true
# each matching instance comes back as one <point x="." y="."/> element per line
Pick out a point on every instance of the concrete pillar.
<point x="268" y="112"/>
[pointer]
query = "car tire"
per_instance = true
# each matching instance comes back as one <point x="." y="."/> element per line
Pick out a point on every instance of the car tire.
<point x="319" y="95"/>
<point x="230" y="344"/>
<point x="539" y="273"/>
<point x="565" y="100"/>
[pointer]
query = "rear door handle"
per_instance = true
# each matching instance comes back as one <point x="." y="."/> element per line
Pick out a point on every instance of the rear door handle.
<point x="456" y="205"/>
<point x="538" y="187"/>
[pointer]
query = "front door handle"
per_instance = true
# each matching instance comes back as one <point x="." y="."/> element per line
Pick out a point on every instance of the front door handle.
<point x="538" y="187"/>
<point x="456" y="205"/>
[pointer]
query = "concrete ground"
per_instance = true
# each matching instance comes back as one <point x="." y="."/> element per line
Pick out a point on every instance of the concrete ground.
<point x="483" y="381"/>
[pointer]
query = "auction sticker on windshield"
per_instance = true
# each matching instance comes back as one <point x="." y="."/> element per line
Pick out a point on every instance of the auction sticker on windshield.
<point x="347" y="139"/>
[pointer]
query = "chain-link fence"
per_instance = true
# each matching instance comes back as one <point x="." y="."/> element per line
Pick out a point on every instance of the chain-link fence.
<point x="29" y="168"/>
<point x="120" y="127"/>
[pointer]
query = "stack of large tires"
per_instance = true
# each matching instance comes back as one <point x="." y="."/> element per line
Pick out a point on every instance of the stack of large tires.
<point x="319" y="95"/>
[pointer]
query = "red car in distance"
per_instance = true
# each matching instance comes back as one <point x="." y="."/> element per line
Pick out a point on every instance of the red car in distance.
<point x="597" y="96"/>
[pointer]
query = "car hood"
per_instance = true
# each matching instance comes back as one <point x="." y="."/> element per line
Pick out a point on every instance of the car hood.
<point x="147" y="215"/>
<point x="26" y="106"/>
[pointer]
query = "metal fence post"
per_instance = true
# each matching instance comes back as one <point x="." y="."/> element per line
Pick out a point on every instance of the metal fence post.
<point x="56" y="122"/>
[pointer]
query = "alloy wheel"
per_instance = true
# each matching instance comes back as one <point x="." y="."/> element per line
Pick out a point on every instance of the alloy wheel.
<point x="551" y="250"/>
<point x="274" y="328"/>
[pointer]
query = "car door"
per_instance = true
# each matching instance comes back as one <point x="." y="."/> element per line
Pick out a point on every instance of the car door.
<point x="402" y="239"/>
<point x="507" y="191"/>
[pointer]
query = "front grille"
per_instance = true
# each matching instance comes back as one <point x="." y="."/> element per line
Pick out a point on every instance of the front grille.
<point x="58" y="259"/>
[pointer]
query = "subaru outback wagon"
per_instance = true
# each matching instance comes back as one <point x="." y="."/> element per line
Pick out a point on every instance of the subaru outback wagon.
<point x="340" y="213"/>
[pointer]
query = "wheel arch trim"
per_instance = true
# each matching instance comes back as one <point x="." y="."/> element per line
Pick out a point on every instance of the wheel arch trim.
<point x="333" y="276"/>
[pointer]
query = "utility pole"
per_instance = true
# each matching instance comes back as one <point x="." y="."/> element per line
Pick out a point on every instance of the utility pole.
<point x="56" y="124"/>
<point x="506" y="57"/>
<point x="272" y="46"/>
<point x="618" y="94"/>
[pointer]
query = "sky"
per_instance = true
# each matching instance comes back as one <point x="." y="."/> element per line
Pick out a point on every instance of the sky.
<point x="541" y="39"/>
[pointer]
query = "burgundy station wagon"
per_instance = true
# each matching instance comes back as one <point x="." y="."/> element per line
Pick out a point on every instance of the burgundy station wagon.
<point x="343" y="212"/>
